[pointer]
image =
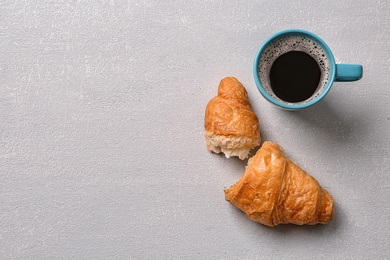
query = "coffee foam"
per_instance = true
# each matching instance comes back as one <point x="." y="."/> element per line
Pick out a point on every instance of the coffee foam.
<point x="285" y="44"/>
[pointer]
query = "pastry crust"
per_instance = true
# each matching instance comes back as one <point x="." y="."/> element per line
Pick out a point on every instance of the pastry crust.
<point x="230" y="124"/>
<point x="274" y="190"/>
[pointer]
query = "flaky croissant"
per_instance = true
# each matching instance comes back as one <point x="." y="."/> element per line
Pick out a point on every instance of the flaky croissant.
<point x="274" y="190"/>
<point x="230" y="124"/>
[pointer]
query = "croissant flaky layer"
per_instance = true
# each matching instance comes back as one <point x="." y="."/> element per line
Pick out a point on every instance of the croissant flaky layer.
<point x="274" y="190"/>
<point x="231" y="125"/>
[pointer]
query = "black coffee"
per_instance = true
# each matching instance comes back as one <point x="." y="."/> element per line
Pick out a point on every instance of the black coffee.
<point x="295" y="76"/>
<point x="294" y="69"/>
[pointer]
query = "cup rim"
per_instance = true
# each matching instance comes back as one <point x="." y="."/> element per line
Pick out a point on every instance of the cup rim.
<point x="290" y="106"/>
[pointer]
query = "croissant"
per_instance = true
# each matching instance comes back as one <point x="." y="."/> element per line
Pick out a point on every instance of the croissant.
<point x="230" y="124"/>
<point x="274" y="190"/>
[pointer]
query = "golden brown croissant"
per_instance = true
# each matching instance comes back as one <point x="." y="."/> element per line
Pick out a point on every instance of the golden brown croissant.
<point x="230" y="124"/>
<point x="274" y="190"/>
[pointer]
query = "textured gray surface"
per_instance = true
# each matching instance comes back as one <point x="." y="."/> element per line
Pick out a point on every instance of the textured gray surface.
<point x="101" y="148"/>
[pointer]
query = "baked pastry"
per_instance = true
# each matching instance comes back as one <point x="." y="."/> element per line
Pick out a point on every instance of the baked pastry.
<point x="274" y="190"/>
<point x="230" y="124"/>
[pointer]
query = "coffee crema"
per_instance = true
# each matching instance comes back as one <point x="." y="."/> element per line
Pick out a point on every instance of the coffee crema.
<point x="294" y="69"/>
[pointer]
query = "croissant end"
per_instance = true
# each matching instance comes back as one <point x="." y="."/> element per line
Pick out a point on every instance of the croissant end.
<point x="230" y="123"/>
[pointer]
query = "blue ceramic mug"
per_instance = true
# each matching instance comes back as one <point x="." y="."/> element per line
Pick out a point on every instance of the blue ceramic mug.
<point x="295" y="69"/>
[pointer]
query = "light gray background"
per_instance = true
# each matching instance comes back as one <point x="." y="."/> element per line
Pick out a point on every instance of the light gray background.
<point x="102" y="153"/>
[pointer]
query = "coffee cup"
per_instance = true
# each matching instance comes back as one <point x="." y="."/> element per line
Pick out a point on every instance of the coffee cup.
<point x="295" y="69"/>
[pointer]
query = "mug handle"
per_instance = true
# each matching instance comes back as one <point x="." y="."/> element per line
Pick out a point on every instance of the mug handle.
<point x="348" y="72"/>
